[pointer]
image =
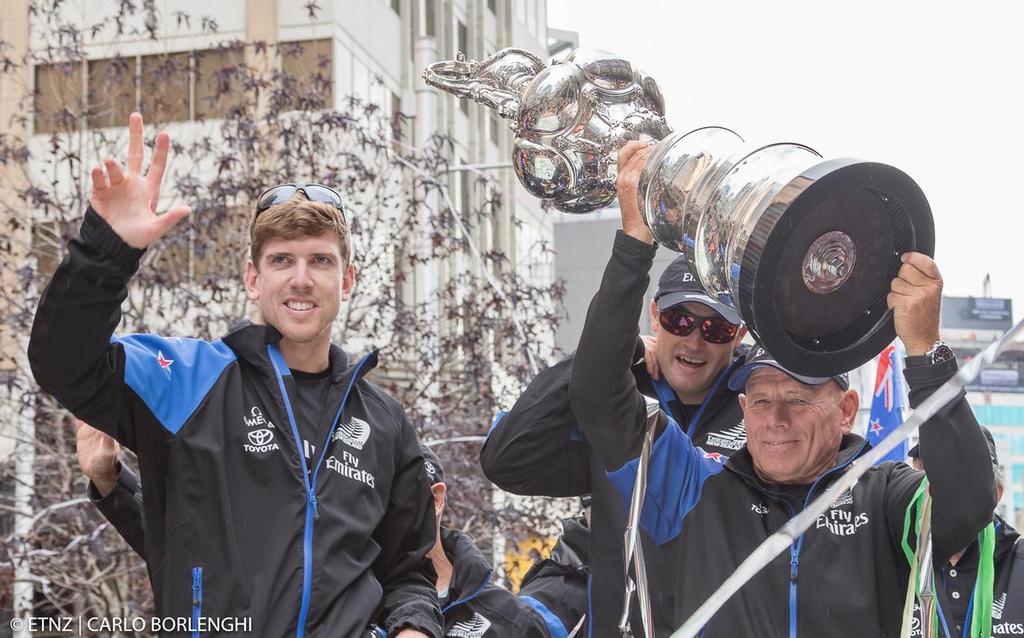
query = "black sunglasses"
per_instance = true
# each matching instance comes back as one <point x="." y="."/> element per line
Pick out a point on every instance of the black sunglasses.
<point x="314" y="192"/>
<point x="681" y="323"/>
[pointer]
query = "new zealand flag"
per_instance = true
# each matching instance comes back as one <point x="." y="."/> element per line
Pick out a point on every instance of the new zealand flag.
<point x="886" y="412"/>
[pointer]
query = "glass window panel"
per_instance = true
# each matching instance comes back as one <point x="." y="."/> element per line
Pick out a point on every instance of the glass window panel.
<point x="111" y="92"/>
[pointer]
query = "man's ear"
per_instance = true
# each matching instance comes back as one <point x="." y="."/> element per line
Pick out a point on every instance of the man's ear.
<point x="252" y="283"/>
<point x="348" y="282"/>
<point x="438" y="490"/>
<point x="743" y="401"/>
<point x="655" y="326"/>
<point x="740" y="333"/>
<point x="848" y="404"/>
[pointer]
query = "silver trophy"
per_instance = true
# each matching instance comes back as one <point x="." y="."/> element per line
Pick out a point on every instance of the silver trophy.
<point x="802" y="247"/>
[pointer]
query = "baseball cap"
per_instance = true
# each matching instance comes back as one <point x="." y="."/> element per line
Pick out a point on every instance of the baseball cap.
<point x="678" y="284"/>
<point x="432" y="466"/>
<point x="758" y="357"/>
<point x="915" y="451"/>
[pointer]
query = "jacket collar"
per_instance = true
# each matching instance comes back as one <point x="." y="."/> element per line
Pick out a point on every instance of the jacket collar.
<point x="470" y="570"/>
<point x="573" y="547"/>
<point x="249" y="341"/>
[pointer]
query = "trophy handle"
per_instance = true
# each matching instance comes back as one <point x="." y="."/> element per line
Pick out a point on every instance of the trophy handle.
<point x="496" y="82"/>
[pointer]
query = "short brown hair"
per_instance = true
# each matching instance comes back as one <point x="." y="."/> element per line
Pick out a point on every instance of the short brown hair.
<point x="296" y="218"/>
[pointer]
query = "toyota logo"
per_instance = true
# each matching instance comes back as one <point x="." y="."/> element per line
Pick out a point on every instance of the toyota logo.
<point x="260" y="437"/>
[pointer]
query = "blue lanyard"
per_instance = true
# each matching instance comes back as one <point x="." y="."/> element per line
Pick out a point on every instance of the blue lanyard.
<point x="666" y="395"/>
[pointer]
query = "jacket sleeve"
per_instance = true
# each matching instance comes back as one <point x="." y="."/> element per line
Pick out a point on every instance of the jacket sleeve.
<point x="602" y="391"/>
<point x="120" y="385"/>
<point x="123" y="508"/>
<point x="556" y="588"/>
<point x="957" y="464"/>
<point x="956" y="461"/>
<point x="405" y="535"/>
<point x="536" y="448"/>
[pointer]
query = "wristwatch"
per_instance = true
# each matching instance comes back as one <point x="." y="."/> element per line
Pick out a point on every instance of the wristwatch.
<point x="939" y="352"/>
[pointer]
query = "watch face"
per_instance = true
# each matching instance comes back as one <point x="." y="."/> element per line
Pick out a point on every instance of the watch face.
<point x="941" y="353"/>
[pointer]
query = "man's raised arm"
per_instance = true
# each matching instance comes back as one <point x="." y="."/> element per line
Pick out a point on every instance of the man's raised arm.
<point x="602" y="390"/>
<point x="69" y="348"/>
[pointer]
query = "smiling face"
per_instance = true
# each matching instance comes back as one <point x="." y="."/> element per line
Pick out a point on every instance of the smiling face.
<point x="690" y="364"/>
<point x="794" y="430"/>
<point x="298" y="286"/>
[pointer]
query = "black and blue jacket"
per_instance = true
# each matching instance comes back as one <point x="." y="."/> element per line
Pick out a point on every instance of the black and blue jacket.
<point x="237" y="524"/>
<point x="538" y="449"/>
<point x="551" y="599"/>
<point x="481" y="609"/>
<point x="847" y="575"/>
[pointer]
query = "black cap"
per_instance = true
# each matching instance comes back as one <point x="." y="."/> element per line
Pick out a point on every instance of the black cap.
<point x="915" y="451"/>
<point x="679" y="285"/>
<point x="432" y="466"/>
<point x="758" y="357"/>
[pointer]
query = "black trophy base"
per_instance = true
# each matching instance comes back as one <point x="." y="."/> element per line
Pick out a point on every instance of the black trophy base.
<point x="817" y="268"/>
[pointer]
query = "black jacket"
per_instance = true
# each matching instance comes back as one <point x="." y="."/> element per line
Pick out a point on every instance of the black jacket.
<point x="551" y="600"/>
<point x="955" y="587"/>
<point x="847" y="575"/>
<point x="122" y="506"/>
<point x="538" y="449"/>
<point x="481" y="609"/>
<point x="560" y="581"/>
<point x="235" y="526"/>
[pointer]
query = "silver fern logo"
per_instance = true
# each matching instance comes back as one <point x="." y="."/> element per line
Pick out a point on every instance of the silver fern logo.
<point x="730" y="439"/>
<point x="997" y="607"/>
<point x="353" y="433"/>
<point x="475" y="627"/>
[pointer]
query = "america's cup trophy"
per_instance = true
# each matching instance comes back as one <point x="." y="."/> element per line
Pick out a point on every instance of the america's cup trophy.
<point x="802" y="247"/>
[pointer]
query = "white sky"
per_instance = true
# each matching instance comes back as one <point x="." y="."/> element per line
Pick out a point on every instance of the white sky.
<point x="934" y="89"/>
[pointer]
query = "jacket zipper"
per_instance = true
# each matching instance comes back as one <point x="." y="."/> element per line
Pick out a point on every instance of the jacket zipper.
<point x="197" y="599"/>
<point x="794" y="549"/>
<point x="312" y="514"/>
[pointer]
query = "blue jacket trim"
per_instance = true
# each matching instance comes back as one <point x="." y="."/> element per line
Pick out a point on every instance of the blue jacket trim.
<point x="172" y="376"/>
<point x="555" y="627"/>
<point x="495" y="422"/>
<point x="466" y="599"/>
<point x="674" y="483"/>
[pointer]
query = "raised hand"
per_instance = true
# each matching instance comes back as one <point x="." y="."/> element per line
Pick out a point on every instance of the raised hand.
<point x="651" y="355"/>
<point x="915" y="298"/>
<point x="631" y="160"/>
<point x="127" y="199"/>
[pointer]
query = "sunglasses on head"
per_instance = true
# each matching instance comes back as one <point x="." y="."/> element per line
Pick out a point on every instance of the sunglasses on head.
<point x="314" y="193"/>
<point x="679" y="322"/>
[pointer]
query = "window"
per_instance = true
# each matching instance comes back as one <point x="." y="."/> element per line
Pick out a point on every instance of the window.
<point x="164" y="87"/>
<point x="58" y="97"/>
<point x="397" y="120"/>
<point x="218" y="82"/>
<point x="494" y="127"/>
<point x="47" y="247"/>
<point x="462" y="43"/>
<point x="308" y="67"/>
<point x="111" y="92"/>
<point x="465" y="183"/>
<point x="428" y="7"/>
